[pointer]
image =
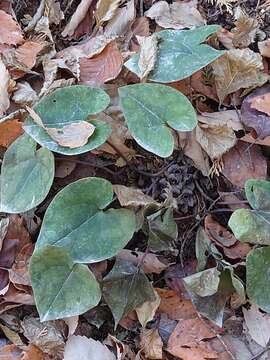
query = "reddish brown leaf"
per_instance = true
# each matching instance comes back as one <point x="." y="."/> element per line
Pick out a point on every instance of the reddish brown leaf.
<point x="27" y="53"/>
<point x="19" y="272"/>
<point x="11" y="33"/>
<point x="10" y="352"/>
<point x="218" y="233"/>
<point x="9" y="131"/>
<point x="102" y="67"/>
<point x="34" y="353"/>
<point x="244" y="162"/>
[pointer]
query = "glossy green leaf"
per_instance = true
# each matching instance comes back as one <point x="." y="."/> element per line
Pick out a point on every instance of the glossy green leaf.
<point x="258" y="194"/>
<point x="162" y="230"/>
<point x="150" y="111"/>
<point x="251" y="226"/>
<point x="125" y="288"/>
<point x="258" y="285"/>
<point x="180" y="54"/>
<point x="65" y="106"/>
<point x="76" y="221"/>
<point x="26" y="175"/>
<point x="204" y="283"/>
<point x="61" y="288"/>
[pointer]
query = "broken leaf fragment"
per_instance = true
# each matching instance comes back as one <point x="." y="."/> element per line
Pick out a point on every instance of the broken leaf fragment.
<point x="204" y="283"/>
<point x="69" y="107"/>
<point x="61" y="287"/>
<point x="26" y="177"/>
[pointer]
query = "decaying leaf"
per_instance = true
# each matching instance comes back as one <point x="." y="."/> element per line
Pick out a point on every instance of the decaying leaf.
<point x="121" y="20"/>
<point x="24" y="94"/>
<point x="105" y="10"/>
<point x="148" y="54"/>
<point x="146" y="312"/>
<point x="87" y="349"/>
<point x="76" y="18"/>
<point x="229" y="118"/>
<point x="73" y="135"/>
<point x="204" y="283"/>
<point x="131" y="197"/>
<point x="178" y="15"/>
<point x="27" y="53"/>
<point x="258" y="325"/>
<point x="11" y="34"/>
<point x="4" y="84"/>
<point x="151" y="344"/>
<point x="10" y="130"/>
<point x="102" y="67"/>
<point x="237" y="69"/>
<point x="264" y="48"/>
<point x="244" y="162"/>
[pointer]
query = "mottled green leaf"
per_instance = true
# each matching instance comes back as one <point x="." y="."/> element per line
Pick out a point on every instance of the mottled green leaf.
<point x="251" y="226"/>
<point x="258" y="194"/>
<point x="26" y="175"/>
<point x="61" y="288"/>
<point x="76" y="221"/>
<point x="161" y="229"/>
<point x="204" y="283"/>
<point x="66" y="106"/>
<point x="150" y="111"/>
<point x="258" y="285"/>
<point x="180" y="54"/>
<point x="125" y="288"/>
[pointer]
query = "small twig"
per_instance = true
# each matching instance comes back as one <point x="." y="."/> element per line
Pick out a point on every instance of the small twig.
<point x="233" y="202"/>
<point x="202" y="191"/>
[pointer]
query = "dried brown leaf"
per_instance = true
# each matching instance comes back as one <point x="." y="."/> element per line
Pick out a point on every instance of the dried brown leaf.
<point x="105" y="10"/>
<point x="4" y="84"/>
<point x="146" y="312"/>
<point x="148" y="54"/>
<point x="151" y="344"/>
<point x="131" y="197"/>
<point x="237" y="69"/>
<point x="11" y="33"/>
<point x="121" y="21"/>
<point x="26" y="54"/>
<point x="264" y="48"/>
<point x="76" y="18"/>
<point x="258" y="325"/>
<point x="229" y="118"/>
<point x="10" y="130"/>
<point x="24" y="94"/>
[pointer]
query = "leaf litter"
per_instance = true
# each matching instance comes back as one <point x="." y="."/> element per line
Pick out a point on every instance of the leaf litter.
<point x="194" y="227"/>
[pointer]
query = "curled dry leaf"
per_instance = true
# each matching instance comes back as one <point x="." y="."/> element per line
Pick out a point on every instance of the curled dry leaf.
<point x="229" y="118"/>
<point x="4" y="84"/>
<point x="10" y="130"/>
<point x="178" y="15"/>
<point x="76" y="18"/>
<point x="226" y="38"/>
<point x="149" y="262"/>
<point x="105" y="10"/>
<point x="11" y="33"/>
<point x="151" y="344"/>
<point x="102" y="67"/>
<point x="73" y="135"/>
<point x="121" y="21"/>
<point x="218" y="233"/>
<point x="244" y="162"/>
<point x="26" y="54"/>
<point x="131" y="197"/>
<point x="148" y="54"/>
<point x="237" y="69"/>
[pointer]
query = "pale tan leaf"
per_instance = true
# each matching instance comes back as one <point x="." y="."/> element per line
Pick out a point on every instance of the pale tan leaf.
<point x="178" y="15"/>
<point x="87" y="349"/>
<point x="226" y="38"/>
<point x="236" y="69"/>
<point x="229" y="118"/>
<point x="148" y="54"/>
<point x="149" y="262"/>
<point x="72" y="323"/>
<point x="60" y="83"/>
<point x="264" y="48"/>
<point x="27" y="53"/>
<point x="121" y="21"/>
<point x="76" y="18"/>
<point x="24" y="94"/>
<point x="130" y="197"/>
<point x="151" y="344"/>
<point x="11" y="33"/>
<point x="105" y="10"/>
<point x="103" y="67"/>
<point x="4" y="84"/>
<point x="43" y="27"/>
<point x="215" y="140"/>
<point x="258" y="325"/>
<point x="261" y="103"/>
<point x="146" y="312"/>
<point x="54" y="12"/>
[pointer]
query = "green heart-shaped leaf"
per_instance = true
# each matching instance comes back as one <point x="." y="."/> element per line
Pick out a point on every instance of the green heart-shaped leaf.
<point x="150" y="109"/>
<point x="61" y="288"/>
<point x="66" y="106"/>
<point x="258" y="194"/>
<point x="180" y="54"/>
<point x="251" y="226"/>
<point x="76" y="221"/>
<point x="258" y="285"/>
<point x="26" y="176"/>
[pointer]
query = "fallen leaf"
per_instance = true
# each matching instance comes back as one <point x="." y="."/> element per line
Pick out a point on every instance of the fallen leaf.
<point x="258" y="325"/>
<point x="146" y="312"/>
<point x="226" y="38"/>
<point x="237" y="69"/>
<point x="203" y="283"/>
<point x="130" y="197"/>
<point x="72" y="323"/>
<point x="148" y="54"/>
<point x="10" y="352"/>
<point x="105" y="10"/>
<point x="24" y="94"/>
<point x="87" y="348"/>
<point x="10" y="130"/>
<point x="33" y="353"/>
<point x="250" y="139"/>
<point x="251" y="115"/>
<point x="264" y="48"/>
<point x="18" y="273"/>
<point x="102" y="67"/>
<point x="244" y="162"/>
<point x="218" y="233"/>
<point x="229" y="118"/>
<point x="64" y="168"/>
<point x="54" y="12"/>
<point x="26" y="54"/>
<point x="139" y="27"/>
<point x="151" y="344"/>
<point x="149" y="262"/>
<point x="4" y="85"/>
<point x="215" y="140"/>
<point x="188" y="340"/>
<point x="76" y="18"/>
<point x="121" y="21"/>
<point x="11" y="33"/>
<point x="178" y="15"/>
